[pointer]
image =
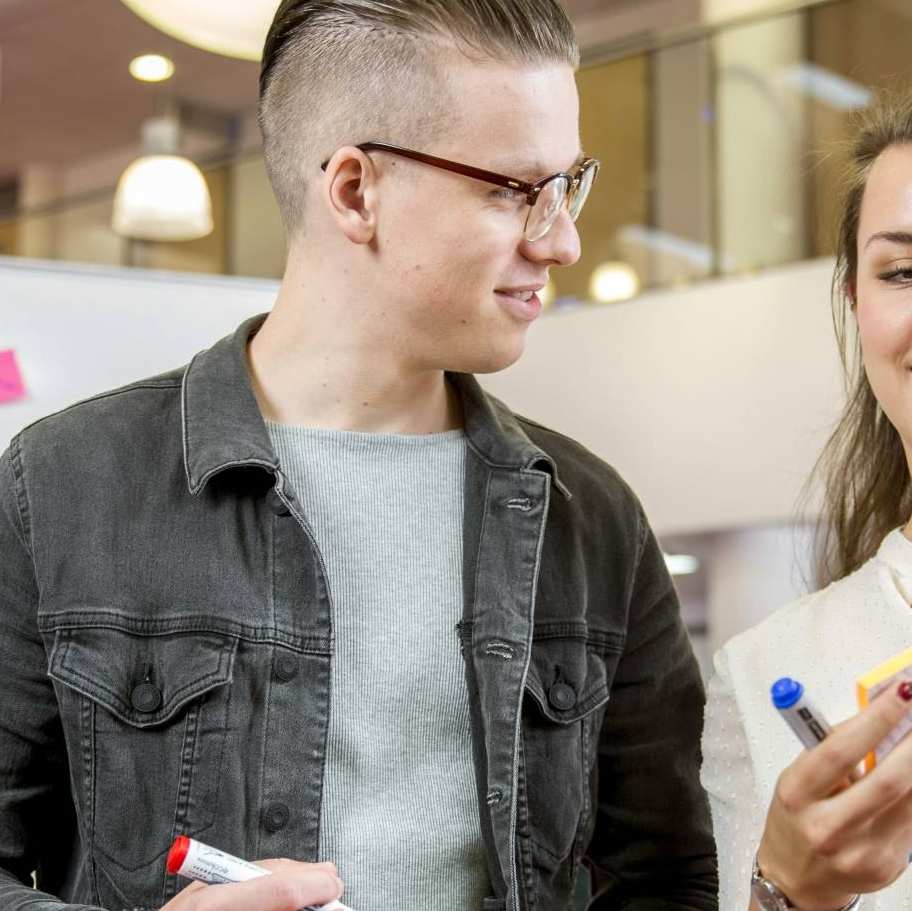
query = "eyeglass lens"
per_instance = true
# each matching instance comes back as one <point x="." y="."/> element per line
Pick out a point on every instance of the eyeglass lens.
<point x="552" y="197"/>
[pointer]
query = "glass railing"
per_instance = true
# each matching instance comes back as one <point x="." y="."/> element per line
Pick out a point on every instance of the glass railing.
<point x="721" y="154"/>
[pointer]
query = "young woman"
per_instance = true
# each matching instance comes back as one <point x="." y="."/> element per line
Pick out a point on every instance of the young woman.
<point x="803" y="829"/>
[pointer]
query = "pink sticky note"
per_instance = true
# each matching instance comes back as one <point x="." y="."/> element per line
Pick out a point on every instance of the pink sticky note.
<point x="11" y="385"/>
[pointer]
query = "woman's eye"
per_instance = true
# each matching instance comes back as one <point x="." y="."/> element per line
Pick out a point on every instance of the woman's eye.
<point x="899" y="276"/>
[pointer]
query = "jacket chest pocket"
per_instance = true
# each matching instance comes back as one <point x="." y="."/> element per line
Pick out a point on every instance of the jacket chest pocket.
<point x="567" y="689"/>
<point x="150" y="714"/>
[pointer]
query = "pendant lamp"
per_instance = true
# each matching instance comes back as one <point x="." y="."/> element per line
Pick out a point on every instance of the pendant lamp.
<point x="162" y="196"/>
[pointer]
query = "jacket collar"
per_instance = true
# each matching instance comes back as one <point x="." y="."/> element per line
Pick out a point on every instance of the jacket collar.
<point x="496" y="435"/>
<point x="222" y="426"/>
<point x="221" y="421"/>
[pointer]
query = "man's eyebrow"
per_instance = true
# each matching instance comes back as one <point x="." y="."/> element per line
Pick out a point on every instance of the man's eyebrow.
<point x="893" y="237"/>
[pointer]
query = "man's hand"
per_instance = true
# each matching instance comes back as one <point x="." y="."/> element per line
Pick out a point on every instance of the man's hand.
<point x="292" y="886"/>
<point x="830" y="833"/>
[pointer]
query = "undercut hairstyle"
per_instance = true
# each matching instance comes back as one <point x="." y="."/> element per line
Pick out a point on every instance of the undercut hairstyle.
<point x="343" y="72"/>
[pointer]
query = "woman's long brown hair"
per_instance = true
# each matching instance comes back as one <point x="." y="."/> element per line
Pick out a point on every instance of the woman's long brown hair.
<point x="867" y="490"/>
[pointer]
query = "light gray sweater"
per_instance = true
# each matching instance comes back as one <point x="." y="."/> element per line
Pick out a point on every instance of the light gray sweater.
<point x="400" y="813"/>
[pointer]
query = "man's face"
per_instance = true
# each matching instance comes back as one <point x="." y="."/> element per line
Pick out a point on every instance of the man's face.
<point x="449" y="247"/>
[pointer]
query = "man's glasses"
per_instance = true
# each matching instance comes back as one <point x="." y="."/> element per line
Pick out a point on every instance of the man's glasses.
<point x="545" y="198"/>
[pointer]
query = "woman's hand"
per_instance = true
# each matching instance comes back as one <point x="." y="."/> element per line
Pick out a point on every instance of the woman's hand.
<point x="832" y="833"/>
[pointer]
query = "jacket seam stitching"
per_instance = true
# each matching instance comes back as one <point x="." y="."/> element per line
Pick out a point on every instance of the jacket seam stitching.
<point x="185" y="424"/>
<point x="15" y="460"/>
<point x="133" y="387"/>
<point x="481" y="531"/>
<point x="517" y="734"/>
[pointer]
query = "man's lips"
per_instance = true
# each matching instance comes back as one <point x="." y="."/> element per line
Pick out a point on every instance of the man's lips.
<point x="523" y="293"/>
<point x="525" y="308"/>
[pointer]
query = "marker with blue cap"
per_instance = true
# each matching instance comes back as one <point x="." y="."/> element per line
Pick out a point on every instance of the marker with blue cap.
<point x="799" y="712"/>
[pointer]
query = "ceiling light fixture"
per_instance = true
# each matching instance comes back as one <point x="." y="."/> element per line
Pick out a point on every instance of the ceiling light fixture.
<point x="827" y="86"/>
<point x="614" y="281"/>
<point x="681" y="564"/>
<point x="235" y="28"/>
<point x="162" y="196"/>
<point x="151" y="68"/>
<point x="547" y="295"/>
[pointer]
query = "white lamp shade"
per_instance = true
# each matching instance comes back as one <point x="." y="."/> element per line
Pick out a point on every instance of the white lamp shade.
<point x="162" y="197"/>
<point x="235" y="28"/>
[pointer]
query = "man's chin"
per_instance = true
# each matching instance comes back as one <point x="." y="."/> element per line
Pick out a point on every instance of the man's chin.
<point x="487" y="362"/>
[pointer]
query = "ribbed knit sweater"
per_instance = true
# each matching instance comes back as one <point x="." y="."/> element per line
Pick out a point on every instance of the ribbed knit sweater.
<point x="399" y="814"/>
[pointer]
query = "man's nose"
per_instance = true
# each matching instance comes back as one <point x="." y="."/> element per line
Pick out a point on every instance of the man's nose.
<point x="560" y="246"/>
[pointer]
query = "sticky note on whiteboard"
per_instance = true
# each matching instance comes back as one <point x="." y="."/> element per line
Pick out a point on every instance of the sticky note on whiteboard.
<point x="11" y="385"/>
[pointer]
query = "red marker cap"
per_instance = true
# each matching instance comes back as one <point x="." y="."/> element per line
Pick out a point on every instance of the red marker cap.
<point x="178" y="853"/>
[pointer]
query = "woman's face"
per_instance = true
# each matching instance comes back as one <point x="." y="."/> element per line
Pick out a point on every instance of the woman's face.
<point x="884" y="287"/>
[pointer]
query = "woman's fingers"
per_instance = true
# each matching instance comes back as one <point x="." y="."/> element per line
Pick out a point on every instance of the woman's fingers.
<point x="819" y="772"/>
<point x="869" y="798"/>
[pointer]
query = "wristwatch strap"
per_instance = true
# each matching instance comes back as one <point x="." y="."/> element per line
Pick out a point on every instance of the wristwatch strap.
<point x="771" y="898"/>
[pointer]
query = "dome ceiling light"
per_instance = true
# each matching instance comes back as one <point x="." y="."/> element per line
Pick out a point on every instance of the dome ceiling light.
<point x="162" y="196"/>
<point x="235" y="28"/>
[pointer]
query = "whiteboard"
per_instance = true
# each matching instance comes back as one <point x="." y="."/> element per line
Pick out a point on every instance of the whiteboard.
<point x="79" y="330"/>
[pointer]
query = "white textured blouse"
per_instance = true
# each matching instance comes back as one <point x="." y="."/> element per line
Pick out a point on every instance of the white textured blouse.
<point x="826" y="640"/>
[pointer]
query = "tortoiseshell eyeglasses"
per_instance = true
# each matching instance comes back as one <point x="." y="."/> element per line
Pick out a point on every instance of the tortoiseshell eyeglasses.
<point x="545" y="198"/>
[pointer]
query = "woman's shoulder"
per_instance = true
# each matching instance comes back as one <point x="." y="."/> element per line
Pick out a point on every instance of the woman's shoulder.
<point x="827" y="639"/>
<point x="817" y="617"/>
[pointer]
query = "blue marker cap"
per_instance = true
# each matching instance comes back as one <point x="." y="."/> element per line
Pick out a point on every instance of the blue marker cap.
<point x="786" y="692"/>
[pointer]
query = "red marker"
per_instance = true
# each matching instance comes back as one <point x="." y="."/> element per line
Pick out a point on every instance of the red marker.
<point x="194" y="860"/>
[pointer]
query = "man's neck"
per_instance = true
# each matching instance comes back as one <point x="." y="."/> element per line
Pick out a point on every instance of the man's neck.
<point x="308" y="374"/>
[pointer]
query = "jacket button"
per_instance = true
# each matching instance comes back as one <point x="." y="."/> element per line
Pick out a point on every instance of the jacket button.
<point x="146" y="697"/>
<point x="562" y="696"/>
<point x="286" y="667"/>
<point x="276" y="504"/>
<point x="276" y="817"/>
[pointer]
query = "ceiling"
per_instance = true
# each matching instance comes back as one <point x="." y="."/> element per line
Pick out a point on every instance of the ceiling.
<point x="66" y="95"/>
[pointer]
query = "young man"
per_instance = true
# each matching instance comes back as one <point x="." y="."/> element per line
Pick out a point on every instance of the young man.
<point x="317" y="596"/>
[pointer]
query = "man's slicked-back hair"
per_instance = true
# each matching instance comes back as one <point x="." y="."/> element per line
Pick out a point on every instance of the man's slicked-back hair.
<point x="341" y="72"/>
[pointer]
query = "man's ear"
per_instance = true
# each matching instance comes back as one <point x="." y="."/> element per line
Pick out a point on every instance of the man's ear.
<point x="349" y="191"/>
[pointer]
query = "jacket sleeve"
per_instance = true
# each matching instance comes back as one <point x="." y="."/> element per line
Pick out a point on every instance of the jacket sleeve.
<point x="652" y="847"/>
<point x="37" y="821"/>
<point x="738" y="813"/>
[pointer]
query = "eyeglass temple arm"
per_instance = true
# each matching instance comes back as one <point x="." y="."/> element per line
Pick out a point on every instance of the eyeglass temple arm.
<point x="456" y="167"/>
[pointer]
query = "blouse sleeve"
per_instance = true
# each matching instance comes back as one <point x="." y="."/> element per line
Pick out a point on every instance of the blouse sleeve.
<point x="729" y="777"/>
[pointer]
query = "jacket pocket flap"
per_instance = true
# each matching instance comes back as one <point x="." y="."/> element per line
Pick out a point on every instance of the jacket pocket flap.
<point x="143" y="680"/>
<point x="568" y="679"/>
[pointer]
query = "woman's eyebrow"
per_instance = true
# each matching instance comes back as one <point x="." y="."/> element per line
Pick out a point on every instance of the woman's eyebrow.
<point x="893" y="237"/>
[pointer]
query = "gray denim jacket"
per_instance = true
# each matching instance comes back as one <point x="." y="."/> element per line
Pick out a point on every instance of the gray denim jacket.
<point x="165" y="647"/>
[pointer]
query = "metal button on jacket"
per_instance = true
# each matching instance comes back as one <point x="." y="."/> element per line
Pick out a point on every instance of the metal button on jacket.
<point x="286" y="667"/>
<point x="276" y="817"/>
<point x="562" y="696"/>
<point x="146" y="697"/>
<point x="276" y="504"/>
